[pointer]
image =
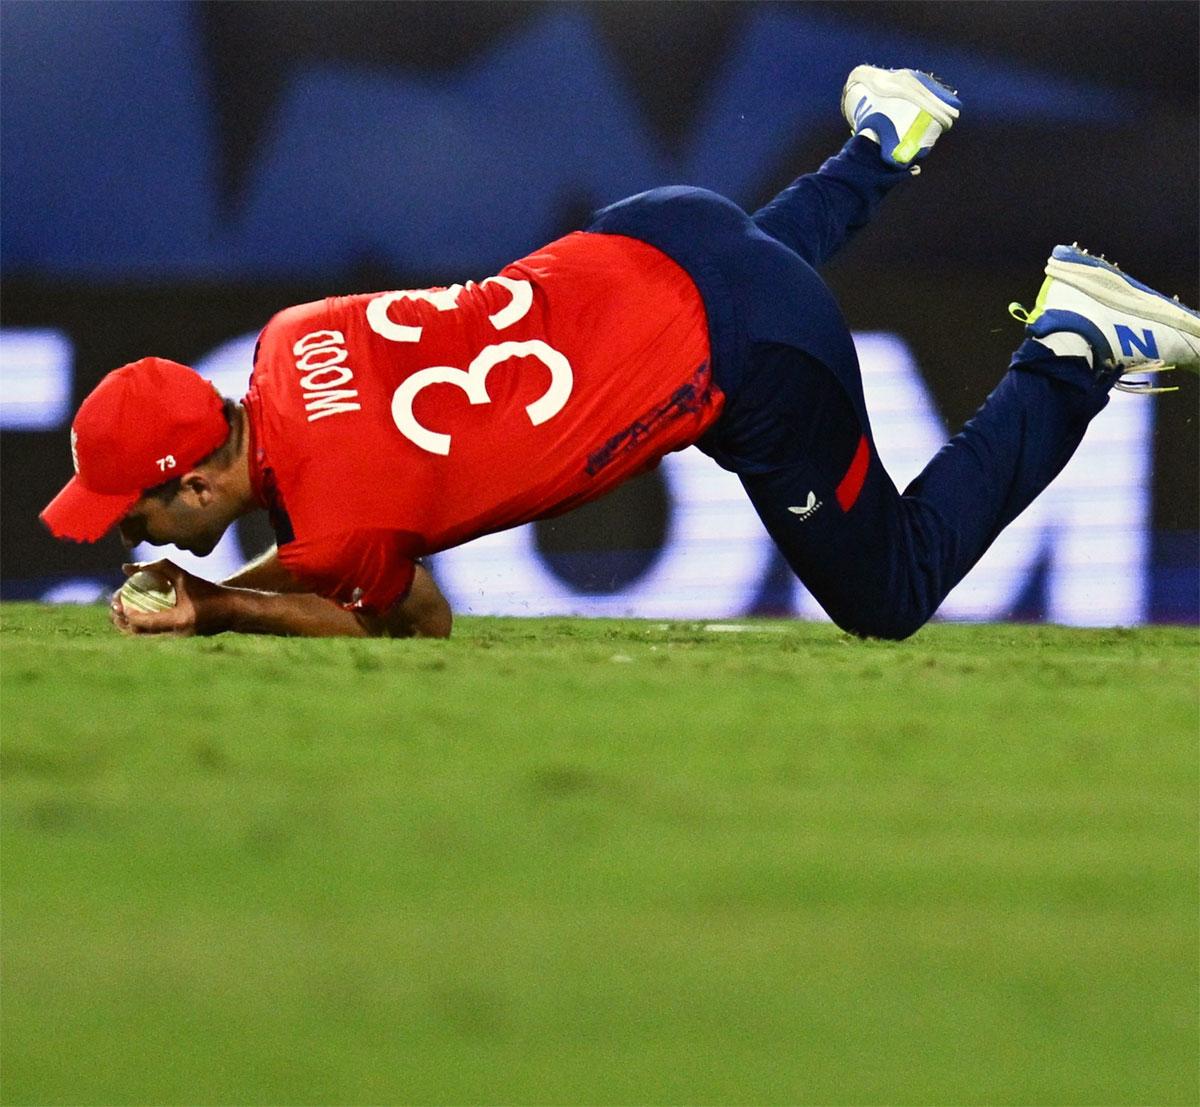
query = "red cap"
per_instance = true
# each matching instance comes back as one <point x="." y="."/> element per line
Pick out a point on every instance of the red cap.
<point x="143" y="424"/>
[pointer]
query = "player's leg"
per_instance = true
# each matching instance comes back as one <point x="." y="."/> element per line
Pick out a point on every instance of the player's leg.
<point x="881" y="563"/>
<point x="896" y="116"/>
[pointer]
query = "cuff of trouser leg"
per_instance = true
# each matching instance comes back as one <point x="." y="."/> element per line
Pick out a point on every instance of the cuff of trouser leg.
<point x="1032" y="357"/>
<point x="865" y="153"/>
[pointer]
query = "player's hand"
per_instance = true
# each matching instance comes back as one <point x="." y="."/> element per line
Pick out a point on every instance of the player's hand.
<point x="196" y="610"/>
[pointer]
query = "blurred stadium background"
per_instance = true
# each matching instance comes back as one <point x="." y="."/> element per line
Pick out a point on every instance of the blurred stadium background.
<point x="173" y="173"/>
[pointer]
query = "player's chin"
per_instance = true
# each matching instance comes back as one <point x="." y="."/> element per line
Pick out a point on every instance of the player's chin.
<point x="201" y="547"/>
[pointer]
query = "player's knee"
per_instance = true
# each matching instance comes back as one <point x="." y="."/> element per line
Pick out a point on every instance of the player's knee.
<point x="890" y="623"/>
<point x="894" y="631"/>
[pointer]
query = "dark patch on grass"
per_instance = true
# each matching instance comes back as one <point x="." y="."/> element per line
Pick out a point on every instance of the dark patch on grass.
<point x="564" y="780"/>
<point x="208" y="755"/>
<point x="62" y="816"/>
<point x="18" y="761"/>
<point x="473" y="1010"/>
<point x="265" y="838"/>
<point x="366" y="662"/>
<point x="273" y="674"/>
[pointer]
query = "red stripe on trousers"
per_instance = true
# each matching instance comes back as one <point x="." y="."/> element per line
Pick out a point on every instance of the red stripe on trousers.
<point x="852" y="482"/>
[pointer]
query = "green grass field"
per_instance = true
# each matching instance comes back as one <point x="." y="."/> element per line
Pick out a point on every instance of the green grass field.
<point x="568" y="861"/>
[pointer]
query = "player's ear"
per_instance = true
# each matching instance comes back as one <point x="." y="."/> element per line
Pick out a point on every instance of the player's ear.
<point x="197" y="486"/>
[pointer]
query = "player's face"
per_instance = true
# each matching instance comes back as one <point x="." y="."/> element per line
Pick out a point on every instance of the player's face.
<point x="177" y="523"/>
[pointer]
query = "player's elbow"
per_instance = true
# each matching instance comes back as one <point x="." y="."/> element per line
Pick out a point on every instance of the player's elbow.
<point x="430" y="611"/>
<point x="423" y="613"/>
<point x="419" y="616"/>
<point x="435" y="620"/>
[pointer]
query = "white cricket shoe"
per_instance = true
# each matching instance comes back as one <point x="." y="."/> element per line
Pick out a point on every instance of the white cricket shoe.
<point x="904" y="111"/>
<point x="1124" y="324"/>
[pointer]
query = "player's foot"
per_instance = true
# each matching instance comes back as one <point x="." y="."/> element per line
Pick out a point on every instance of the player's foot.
<point x="902" y="110"/>
<point x="1123" y="324"/>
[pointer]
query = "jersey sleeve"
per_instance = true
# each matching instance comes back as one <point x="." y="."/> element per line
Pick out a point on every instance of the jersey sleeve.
<point x="364" y="570"/>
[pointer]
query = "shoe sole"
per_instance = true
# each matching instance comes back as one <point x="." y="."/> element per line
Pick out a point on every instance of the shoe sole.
<point x="1106" y="284"/>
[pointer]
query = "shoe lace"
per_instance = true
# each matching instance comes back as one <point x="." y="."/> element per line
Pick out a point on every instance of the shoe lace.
<point x="1145" y="388"/>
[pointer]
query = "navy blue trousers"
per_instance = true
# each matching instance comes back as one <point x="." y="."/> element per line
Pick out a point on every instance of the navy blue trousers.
<point x="795" y="427"/>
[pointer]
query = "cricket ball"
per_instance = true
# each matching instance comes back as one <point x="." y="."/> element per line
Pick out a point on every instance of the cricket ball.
<point x="147" y="590"/>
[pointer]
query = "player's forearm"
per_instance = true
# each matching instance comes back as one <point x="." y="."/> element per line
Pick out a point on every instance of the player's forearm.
<point x="424" y="613"/>
<point x="254" y="601"/>
<point x="303" y="615"/>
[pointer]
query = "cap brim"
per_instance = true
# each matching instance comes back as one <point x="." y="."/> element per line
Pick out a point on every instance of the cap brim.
<point x="82" y="515"/>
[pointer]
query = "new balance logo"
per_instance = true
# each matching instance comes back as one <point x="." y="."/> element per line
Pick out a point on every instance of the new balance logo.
<point x="1146" y="345"/>
<point x="808" y="509"/>
<point x="860" y="111"/>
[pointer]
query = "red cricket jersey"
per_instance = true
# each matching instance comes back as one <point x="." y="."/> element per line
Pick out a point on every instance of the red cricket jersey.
<point x="390" y="425"/>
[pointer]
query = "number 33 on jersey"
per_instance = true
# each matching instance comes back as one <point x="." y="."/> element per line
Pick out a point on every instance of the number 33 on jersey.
<point x="472" y="380"/>
<point x="402" y="423"/>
